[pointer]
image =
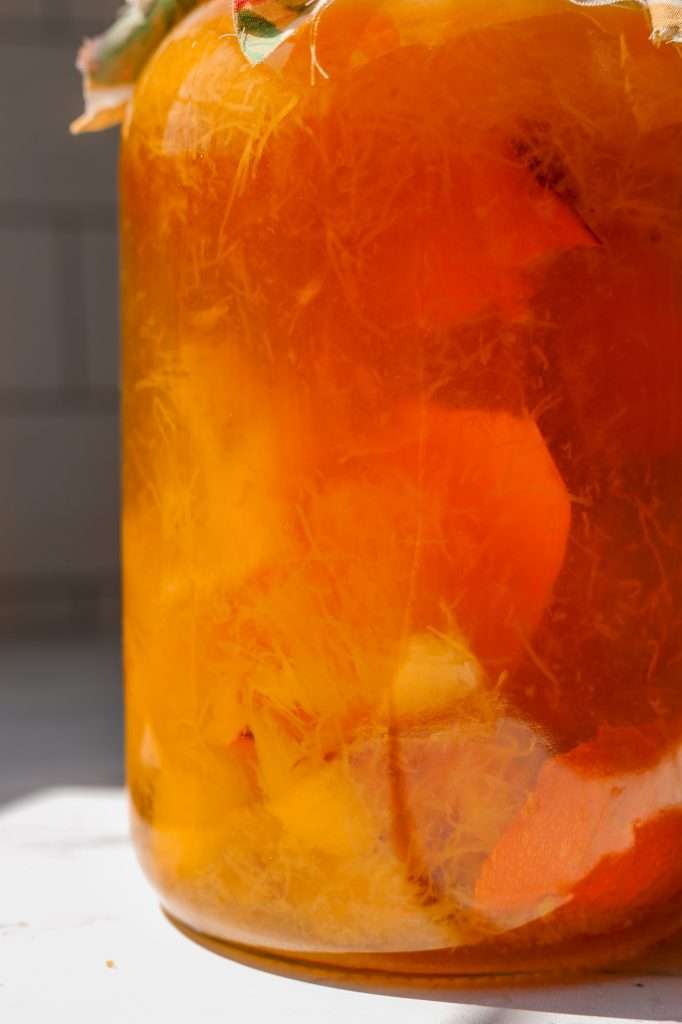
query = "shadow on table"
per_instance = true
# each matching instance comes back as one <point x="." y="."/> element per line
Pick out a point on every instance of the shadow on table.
<point x="642" y="998"/>
<point x="650" y="991"/>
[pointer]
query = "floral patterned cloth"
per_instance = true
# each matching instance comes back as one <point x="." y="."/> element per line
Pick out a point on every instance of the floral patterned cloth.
<point x="666" y="17"/>
<point x="112" y="62"/>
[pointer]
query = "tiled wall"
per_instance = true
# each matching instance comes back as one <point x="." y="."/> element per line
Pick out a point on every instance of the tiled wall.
<point x="58" y="327"/>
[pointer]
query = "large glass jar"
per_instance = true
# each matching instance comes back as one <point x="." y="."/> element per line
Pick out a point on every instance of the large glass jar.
<point x="403" y="483"/>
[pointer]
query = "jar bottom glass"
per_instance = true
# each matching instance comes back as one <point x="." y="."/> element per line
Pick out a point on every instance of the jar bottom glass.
<point x="653" y="948"/>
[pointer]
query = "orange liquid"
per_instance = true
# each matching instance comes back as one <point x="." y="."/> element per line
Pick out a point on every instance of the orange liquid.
<point x="403" y="473"/>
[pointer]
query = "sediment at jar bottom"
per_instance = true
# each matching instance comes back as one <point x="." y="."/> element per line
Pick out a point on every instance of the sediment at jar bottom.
<point x="579" y="850"/>
<point x="380" y="842"/>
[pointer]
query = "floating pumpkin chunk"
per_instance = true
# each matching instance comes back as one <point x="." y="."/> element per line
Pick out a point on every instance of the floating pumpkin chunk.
<point x="578" y="831"/>
<point x="481" y="512"/>
<point x="194" y="806"/>
<point x="472" y="248"/>
<point x="452" y="789"/>
<point x="438" y="678"/>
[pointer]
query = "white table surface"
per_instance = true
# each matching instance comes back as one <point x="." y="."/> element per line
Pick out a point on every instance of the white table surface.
<point x="83" y="942"/>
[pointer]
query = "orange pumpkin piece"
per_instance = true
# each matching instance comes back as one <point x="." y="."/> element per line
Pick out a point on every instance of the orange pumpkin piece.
<point x="482" y="514"/>
<point x="444" y="262"/>
<point x="599" y="845"/>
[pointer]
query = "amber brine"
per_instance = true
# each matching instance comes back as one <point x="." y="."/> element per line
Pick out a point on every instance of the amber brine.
<point x="402" y="309"/>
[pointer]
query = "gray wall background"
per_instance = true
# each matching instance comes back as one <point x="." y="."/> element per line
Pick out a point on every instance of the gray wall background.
<point x="58" y="329"/>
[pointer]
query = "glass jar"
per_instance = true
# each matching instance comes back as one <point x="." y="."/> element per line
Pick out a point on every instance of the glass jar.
<point x="403" y="473"/>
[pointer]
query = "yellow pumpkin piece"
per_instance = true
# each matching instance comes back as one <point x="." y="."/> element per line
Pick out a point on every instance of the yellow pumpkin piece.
<point x="199" y="797"/>
<point x="226" y="717"/>
<point x="326" y="812"/>
<point x="215" y="476"/>
<point x="283" y="746"/>
<point x="193" y="807"/>
<point x="437" y="677"/>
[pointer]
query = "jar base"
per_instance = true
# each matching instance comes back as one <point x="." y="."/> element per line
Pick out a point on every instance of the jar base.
<point x="653" y="950"/>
